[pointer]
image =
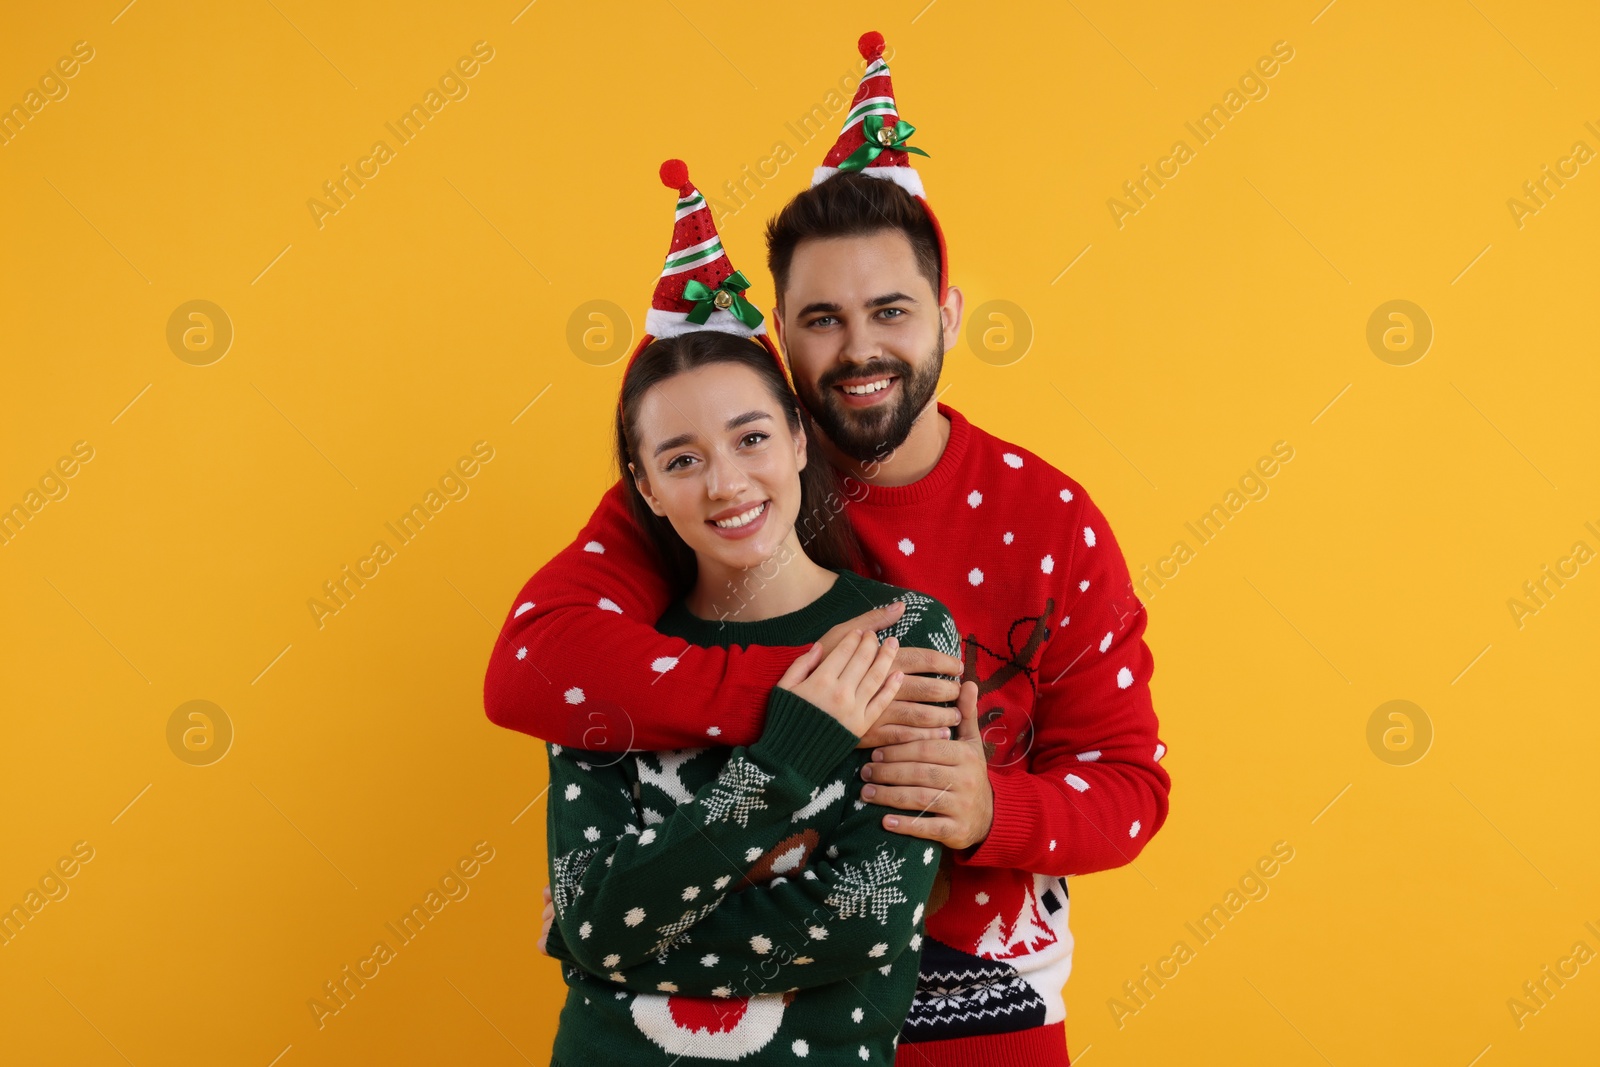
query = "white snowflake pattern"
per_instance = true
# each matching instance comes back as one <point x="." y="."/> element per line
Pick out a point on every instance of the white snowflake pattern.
<point x="568" y="871"/>
<point x="868" y="888"/>
<point x="736" y="793"/>
<point x="947" y="639"/>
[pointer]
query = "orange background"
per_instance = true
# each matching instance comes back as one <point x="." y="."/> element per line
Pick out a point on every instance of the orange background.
<point x="432" y="311"/>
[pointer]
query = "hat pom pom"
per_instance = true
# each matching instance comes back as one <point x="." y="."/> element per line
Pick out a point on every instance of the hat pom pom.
<point x="675" y="175"/>
<point x="871" y="45"/>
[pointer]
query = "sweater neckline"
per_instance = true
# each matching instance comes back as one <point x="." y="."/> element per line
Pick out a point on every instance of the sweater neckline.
<point x="935" y="481"/>
<point x="843" y="599"/>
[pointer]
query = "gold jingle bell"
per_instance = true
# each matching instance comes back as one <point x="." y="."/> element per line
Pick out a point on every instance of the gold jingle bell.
<point x="885" y="136"/>
<point x="723" y="299"/>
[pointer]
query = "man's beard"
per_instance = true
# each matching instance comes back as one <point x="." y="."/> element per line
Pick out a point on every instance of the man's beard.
<point x="866" y="434"/>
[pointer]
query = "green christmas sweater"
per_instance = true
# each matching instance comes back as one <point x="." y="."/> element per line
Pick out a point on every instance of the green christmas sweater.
<point x="743" y="904"/>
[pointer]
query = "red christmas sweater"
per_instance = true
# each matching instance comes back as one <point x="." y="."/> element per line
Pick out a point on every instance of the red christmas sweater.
<point x="1053" y="634"/>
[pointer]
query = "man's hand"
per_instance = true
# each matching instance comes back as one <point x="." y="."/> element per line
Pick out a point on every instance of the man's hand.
<point x="548" y="918"/>
<point x="912" y="716"/>
<point x="945" y="784"/>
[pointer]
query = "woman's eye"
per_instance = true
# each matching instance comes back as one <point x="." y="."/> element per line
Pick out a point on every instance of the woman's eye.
<point x="678" y="462"/>
<point x="755" y="435"/>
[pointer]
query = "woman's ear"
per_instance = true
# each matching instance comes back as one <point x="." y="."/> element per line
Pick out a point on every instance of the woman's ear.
<point x="800" y="448"/>
<point x="642" y="484"/>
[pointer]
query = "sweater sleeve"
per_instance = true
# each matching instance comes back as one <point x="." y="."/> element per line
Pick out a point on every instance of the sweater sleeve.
<point x="624" y="894"/>
<point x="858" y="907"/>
<point x="578" y="659"/>
<point x="1091" y="791"/>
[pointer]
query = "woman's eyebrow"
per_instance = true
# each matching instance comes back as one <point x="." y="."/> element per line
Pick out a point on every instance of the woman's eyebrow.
<point x="673" y="442"/>
<point x="732" y="424"/>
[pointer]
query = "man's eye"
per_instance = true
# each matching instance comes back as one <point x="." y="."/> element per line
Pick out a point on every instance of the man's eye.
<point x="894" y="312"/>
<point x="825" y="320"/>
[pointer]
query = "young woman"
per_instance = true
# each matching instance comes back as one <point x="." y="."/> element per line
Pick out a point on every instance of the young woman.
<point x="746" y="904"/>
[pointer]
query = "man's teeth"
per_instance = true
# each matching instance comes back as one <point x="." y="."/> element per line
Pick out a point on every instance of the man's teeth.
<point x="873" y="387"/>
<point x="744" y="519"/>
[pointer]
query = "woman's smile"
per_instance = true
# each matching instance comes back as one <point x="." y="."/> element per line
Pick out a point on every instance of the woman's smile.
<point x="743" y="520"/>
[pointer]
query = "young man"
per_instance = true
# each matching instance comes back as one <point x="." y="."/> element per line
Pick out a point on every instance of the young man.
<point x="1058" y="776"/>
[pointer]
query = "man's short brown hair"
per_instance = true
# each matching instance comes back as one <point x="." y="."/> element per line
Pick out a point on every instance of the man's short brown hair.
<point x="851" y="205"/>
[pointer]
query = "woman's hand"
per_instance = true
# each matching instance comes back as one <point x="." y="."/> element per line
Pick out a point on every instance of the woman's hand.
<point x="546" y="919"/>
<point x="854" y="683"/>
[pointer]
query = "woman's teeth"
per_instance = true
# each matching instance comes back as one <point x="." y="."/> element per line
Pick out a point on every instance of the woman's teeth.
<point x="872" y="387"/>
<point x="743" y="519"/>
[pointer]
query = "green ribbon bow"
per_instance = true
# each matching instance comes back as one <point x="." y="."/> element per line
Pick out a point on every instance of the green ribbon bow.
<point x="732" y="289"/>
<point x="873" y="147"/>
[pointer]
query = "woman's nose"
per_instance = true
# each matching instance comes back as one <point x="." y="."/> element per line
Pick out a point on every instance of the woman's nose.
<point x="724" y="479"/>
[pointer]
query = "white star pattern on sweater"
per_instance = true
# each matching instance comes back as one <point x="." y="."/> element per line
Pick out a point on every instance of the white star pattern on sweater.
<point x="607" y="604"/>
<point x="574" y="695"/>
<point x="906" y="546"/>
<point x="596" y="547"/>
<point x="1013" y="460"/>
<point x="663" y="664"/>
<point x="974" y="498"/>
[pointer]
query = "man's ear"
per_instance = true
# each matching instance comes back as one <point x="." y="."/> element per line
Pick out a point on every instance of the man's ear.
<point x="642" y="484"/>
<point x="950" y="317"/>
<point x="777" y="325"/>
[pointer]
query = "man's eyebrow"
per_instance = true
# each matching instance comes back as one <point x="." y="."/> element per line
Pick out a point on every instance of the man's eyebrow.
<point x="875" y="302"/>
